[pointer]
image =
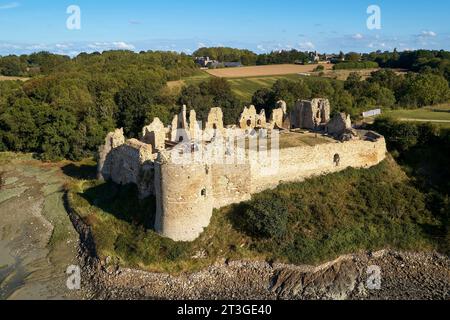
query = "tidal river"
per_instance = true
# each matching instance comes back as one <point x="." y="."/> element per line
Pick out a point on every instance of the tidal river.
<point x="37" y="240"/>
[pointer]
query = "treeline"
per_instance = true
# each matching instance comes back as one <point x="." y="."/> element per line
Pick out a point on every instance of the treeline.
<point x="421" y="61"/>
<point x="384" y="88"/>
<point x="249" y="58"/>
<point x="67" y="110"/>
<point x="169" y="65"/>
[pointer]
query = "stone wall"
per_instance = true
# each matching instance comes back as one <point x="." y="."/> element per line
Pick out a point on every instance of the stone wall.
<point x="310" y="114"/>
<point x="232" y="184"/>
<point x="299" y="163"/>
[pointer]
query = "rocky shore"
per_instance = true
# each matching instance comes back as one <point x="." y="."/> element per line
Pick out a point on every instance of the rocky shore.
<point x="403" y="275"/>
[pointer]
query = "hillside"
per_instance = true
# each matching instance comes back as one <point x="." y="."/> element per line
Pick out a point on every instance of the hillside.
<point x="318" y="220"/>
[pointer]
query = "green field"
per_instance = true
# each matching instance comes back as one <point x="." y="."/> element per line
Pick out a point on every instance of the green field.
<point x="244" y="88"/>
<point x="439" y="114"/>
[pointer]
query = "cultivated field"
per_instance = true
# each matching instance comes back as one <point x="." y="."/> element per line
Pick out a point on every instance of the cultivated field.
<point x="271" y="70"/>
<point x="244" y="88"/>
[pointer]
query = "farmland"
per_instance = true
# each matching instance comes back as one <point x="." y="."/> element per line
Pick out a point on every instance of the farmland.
<point x="269" y="70"/>
<point x="246" y="81"/>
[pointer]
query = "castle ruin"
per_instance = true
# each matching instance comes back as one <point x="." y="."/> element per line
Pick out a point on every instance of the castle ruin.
<point x="309" y="143"/>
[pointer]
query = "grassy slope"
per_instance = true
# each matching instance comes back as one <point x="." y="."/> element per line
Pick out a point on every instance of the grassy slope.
<point x="328" y="216"/>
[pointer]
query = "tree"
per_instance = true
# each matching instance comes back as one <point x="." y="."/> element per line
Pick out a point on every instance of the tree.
<point x="424" y="89"/>
<point x="11" y="66"/>
<point x="135" y="101"/>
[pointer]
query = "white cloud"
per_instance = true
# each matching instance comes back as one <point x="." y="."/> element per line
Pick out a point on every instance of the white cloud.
<point x="357" y="36"/>
<point x="261" y="48"/>
<point x="429" y="34"/>
<point x="306" y="45"/>
<point x="10" y="5"/>
<point x="201" y="45"/>
<point x="120" y="45"/>
<point x="123" y="45"/>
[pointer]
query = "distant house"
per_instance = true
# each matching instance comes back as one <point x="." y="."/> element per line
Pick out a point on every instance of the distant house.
<point x="204" y="62"/>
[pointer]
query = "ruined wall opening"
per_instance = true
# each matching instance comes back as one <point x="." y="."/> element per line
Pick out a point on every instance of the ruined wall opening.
<point x="203" y="192"/>
<point x="249" y="123"/>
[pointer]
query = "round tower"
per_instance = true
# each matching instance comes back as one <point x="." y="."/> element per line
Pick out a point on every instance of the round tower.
<point x="184" y="199"/>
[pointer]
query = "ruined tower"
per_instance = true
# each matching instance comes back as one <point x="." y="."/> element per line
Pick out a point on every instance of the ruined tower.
<point x="184" y="198"/>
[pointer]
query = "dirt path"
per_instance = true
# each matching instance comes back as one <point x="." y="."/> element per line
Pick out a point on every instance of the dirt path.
<point x="37" y="240"/>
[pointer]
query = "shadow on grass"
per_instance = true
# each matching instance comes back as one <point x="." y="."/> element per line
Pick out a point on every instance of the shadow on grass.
<point x="440" y="110"/>
<point x="123" y="203"/>
<point x="80" y="172"/>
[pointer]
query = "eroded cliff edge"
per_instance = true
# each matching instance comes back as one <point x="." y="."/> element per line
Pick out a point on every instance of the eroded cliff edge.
<point x="404" y="275"/>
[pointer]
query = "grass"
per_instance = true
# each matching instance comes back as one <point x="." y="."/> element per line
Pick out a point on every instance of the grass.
<point x="439" y="114"/>
<point x="327" y="216"/>
<point x="244" y="88"/>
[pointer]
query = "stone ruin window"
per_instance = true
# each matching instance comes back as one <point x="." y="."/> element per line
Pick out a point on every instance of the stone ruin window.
<point x="203" y="192"/>
<point x="181" y="139"/>
<point x="337" y="159"/>
<point x="249" y="123"/>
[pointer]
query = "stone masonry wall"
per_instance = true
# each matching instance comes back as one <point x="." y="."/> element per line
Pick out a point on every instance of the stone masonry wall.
<point x="184" y="200"/>
<point x="297" y="164"/>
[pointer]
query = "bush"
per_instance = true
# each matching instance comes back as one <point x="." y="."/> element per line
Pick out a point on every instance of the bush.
<point x="319" y="68"/>
<point x="267" y="217"/>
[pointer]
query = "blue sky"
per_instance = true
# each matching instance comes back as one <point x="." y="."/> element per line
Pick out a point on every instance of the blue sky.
<point x="184" y="25"/>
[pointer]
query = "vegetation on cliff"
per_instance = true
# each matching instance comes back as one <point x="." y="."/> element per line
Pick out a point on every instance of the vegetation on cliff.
<point x="308" y="222"/>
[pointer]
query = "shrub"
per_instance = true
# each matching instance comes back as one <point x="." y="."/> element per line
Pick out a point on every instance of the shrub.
<point x="267" y="217"/>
